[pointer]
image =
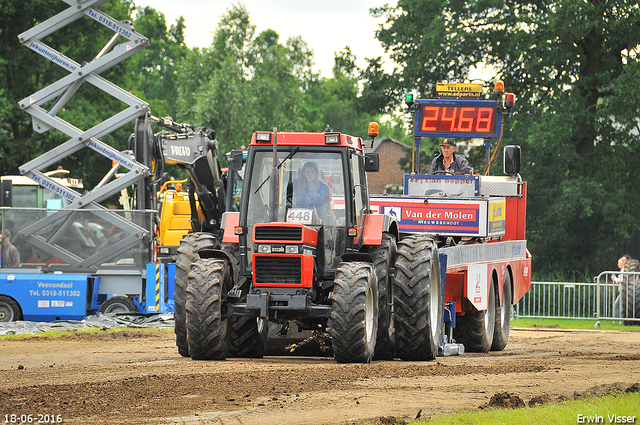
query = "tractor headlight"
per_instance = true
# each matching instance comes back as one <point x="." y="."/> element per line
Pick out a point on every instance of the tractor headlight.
<point x="263" y="137"/>
<point x="291" y="249"/>
<point x="264" y="249"/>
<point x="332" y="138"/>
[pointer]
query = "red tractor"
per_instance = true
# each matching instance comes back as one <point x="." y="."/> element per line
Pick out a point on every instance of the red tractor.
<point x="305" y="250"/>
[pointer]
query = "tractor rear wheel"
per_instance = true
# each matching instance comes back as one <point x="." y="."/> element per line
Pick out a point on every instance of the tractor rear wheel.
<point x="207" y="329"/>
<point x="354" y="316"/>
<point x="190" y="244"/>
<point x="475" y="331"/>
<point x="384" y="259"/>
<point x="503" y="316"/>
<point x="418" y="299"/>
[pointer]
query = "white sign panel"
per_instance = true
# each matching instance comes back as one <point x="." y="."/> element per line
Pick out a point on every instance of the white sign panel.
<point x="423" y="185"/>
<point x="477" y="286"/>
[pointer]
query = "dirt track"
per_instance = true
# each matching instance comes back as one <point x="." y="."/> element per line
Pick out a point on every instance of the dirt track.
<point x="140" y="378"/>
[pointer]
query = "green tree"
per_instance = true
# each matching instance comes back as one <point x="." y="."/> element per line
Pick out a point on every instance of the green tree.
<point x="336" y="103"/>
<point x="573" y="66"/>
<point x="153" y="72"/>
<point x="245" y="82"/>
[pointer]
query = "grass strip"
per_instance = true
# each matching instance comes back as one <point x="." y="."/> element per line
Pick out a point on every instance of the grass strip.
<point x="614" y="408"/>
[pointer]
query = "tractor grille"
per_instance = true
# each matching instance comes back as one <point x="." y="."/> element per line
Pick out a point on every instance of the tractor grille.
<point x="278" y="233"/>
<point x="280" y="270"/>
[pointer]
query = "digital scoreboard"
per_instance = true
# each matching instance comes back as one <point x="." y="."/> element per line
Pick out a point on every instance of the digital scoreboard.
<point x="458" y="118"/>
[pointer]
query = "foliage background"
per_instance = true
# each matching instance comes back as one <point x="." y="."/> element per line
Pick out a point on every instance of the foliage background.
<point x="573" y="65"/>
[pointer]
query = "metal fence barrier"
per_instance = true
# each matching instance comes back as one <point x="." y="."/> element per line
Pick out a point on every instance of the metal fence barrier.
<point x="592" y="301"/>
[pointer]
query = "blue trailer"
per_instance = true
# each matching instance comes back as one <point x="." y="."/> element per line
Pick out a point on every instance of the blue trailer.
<point x="44" y="297"/>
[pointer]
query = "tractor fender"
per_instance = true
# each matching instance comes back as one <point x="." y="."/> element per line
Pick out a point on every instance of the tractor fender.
<point x="214" y="253"/>
<point x="230" y="220"/>
<point x="357" y="256"/>
<point x="375" y="225"/>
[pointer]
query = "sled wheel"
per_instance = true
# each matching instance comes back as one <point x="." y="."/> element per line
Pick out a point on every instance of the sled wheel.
<point x="503" y="316"/>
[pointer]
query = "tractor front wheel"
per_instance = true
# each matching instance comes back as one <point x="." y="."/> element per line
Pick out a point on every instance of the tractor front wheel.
<point x="208" y="330"/>
<point x="384" y="256"/>
<point x="190" y="244"/>
<point x="354" y="317"/>
<point x="248" y="337"/>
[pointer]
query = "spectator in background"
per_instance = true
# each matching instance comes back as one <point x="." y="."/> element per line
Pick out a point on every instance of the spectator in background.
<point x="10" y="255"/>
<point x="618" y="279"/>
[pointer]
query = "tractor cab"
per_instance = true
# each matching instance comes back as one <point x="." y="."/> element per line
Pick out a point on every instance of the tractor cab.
<point x="303" y="211"/>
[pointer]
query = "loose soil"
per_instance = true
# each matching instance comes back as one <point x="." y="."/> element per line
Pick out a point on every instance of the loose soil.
<point x="139" y="378"/>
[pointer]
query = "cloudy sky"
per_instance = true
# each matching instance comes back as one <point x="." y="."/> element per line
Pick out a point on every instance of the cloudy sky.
<point x="326" y="26"/>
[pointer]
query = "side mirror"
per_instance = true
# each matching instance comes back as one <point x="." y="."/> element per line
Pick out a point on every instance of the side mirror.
<point x="235" y="162"/>
<point x="6" y="200"/>
<point x="372" y="162"/>
<point x="511" y="159"/>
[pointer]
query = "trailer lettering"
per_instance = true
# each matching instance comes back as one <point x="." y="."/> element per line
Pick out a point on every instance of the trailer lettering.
<point x="55" y="285"/>
<point x="415" y="214"/>
<point x="458" y="215"/>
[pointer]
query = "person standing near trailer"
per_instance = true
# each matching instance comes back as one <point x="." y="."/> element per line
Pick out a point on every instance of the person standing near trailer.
<point x="10" y="255"/>
<point x="618" y="279"/>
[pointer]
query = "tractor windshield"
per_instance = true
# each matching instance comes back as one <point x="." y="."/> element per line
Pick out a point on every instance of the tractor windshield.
<point x="310" y="191"/>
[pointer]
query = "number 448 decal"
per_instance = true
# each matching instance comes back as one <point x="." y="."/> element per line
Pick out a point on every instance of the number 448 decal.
<point x="300" y="215"/>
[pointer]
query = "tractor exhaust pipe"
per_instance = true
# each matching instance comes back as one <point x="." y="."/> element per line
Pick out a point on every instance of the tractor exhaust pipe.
<point x="275" y="183"/>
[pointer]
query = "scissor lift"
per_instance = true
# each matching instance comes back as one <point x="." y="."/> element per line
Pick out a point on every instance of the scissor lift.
<point x="45" y="120"/>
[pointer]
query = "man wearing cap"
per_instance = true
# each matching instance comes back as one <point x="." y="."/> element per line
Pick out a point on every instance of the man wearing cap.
<point x="448" y="162"/>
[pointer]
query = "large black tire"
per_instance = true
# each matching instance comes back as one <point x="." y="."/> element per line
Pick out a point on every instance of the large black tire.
<point x="119" y="304"/>
<point x="419" y="300"/>
<point x="248" y="337"/>
<point x="233" y="252"/>
<point x="208" y="330"/>
<point x="248" y="334"/>
<point x="630" y="293"/>
<point x="503" y="316"/>
<point x="354" y="317"/>
<point x="475" y="331"/>
<point x="190" y="244"/>
<point x="630" y="302"/>
<point x="383" y="260"/>
<point x="10" y="310"/>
